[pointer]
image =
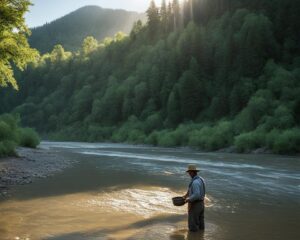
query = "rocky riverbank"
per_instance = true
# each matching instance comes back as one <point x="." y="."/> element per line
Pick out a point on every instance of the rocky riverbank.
<point x="28" y="166"/>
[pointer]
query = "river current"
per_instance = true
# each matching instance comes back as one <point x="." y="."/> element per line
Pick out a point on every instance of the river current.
<point x="120" y="191"/>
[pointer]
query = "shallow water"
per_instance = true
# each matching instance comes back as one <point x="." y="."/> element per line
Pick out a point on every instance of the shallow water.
<point x="119" y="191"/>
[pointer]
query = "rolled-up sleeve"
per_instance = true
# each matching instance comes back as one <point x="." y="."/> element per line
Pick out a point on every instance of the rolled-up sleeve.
<point x="196" y="194"/>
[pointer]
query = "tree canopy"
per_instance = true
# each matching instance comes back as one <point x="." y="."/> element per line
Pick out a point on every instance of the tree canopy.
<point x="14" y="48"/>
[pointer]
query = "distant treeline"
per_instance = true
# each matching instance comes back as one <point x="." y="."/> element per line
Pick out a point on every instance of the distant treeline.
<point x="208" y="74"/>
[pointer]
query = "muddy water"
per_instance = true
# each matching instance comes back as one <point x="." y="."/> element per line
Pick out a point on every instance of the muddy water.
<point x="118" y="191"/>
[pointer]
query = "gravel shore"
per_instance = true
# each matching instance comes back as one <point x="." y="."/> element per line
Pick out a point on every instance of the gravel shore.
<point x="28" y="166"/>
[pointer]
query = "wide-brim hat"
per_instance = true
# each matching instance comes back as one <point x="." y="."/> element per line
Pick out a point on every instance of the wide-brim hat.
<point x="192" y="167"/>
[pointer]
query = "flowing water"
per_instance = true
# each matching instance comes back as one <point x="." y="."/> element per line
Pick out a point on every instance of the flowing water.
<point x="119" y="191"/>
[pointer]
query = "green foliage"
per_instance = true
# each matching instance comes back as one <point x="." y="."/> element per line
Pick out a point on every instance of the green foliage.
<point x="279" y="141"/>
<point x="136" y="136"/>
<point x="212" y="138"/>
<point x="99" y="134"/>
<point x="190" y="95"/>
<point x="287" y="141"/>
<point x="152" y="139"/>
<point x="153" y="18"/>
<point x="7" y="148"/>
<point x="11" y="135"/>
<point x="174" y="108"/>
<point x="8" y="127"/>
<point x="153" y="122"/>
<point x="14" y="47"/>
<point x="27" y="137"/>
<point x="168" y="139"/>
<point x="249" y="141"/>
<point x="89" y="45"/>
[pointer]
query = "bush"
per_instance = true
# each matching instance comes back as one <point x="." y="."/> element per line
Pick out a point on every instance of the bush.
<point x="177" y="137"/>
<point x="168" y="139"/>
<point x="284" y="117"/>
<point x="96" y="134"/>
<point x="152" y="139"/>
<point x="5" y="131"/>
<point x="287" y="142"/>
<point x="27" y="137"/>
<point x="213" y="138"/>
<point x="153" y="122"/>
<point x="248" y="141"/>
<point x="7" y="148"/>
<point x="10" y="120"/>
<point x="136" y="136"/>
<point x="120" y="135"/>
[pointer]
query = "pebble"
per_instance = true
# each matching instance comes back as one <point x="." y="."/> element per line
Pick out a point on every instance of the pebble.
<point x="23" y="170"/>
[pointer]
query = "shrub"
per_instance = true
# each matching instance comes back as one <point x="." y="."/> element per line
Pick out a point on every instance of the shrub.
<point x="7" y="148"/>
<point x="96" y="133"/>
<point x="10" y="120"/>
<point x="5" y="131"/>
<point x="199" y="138"/>
<point x="248" y="141"/>
<point x="168" y="139"/>
<point x="212" y="138"/>
<point x="284" y="117"/>
<point x="136" y="136"/>
<point x="27" y="137"/>
<point x="120" y="135"/>
<point x="152" y="139"/>
<point x="153" y="122"/>
<point x="287" y="142"/>
<point x="243" y="122"/>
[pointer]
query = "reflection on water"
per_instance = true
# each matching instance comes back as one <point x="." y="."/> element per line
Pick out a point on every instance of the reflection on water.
<point x="144" y="202"/>
<point x="117" y="214"/>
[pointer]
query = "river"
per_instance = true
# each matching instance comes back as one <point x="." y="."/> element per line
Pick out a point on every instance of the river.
<point x="119" y="191"/>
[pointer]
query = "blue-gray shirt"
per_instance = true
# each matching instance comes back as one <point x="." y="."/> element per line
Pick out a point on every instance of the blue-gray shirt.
<point x="196" y="189"/>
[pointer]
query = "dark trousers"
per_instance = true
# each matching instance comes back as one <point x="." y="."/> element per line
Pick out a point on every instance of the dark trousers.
<point x="196" y="216"/>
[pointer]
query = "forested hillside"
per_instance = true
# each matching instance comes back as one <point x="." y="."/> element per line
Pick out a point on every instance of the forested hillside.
<point x="208" y="74"/>
<point x="70" y="30"/>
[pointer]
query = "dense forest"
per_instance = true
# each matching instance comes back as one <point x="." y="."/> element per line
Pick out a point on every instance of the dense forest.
<point x="209" y="74"/>
<point x="71" y="29"/>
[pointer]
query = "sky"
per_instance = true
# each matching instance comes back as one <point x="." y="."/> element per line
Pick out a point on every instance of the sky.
<point x="48" y="10"/>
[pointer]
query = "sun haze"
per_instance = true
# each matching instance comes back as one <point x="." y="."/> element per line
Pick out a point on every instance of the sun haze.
<point x="44" y="11"/>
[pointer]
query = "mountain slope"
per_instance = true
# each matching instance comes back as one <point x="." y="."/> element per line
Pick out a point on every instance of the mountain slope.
<point x="71" y="29"/>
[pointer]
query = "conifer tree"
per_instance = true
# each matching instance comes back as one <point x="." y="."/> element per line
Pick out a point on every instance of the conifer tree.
<point x="153" y="18"/>
<point x="164" y="16"/>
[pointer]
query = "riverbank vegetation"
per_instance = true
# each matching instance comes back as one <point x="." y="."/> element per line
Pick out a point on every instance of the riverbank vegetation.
<point x="12" y="135"/>
<point x="207" y="74"/>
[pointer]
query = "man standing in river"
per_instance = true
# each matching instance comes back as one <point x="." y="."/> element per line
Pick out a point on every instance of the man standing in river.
<point x="195" y="199"/>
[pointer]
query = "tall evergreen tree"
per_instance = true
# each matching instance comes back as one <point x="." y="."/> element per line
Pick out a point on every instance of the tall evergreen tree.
<point x="164" y="16"/>
<point x="176" y="14"/>
<point x="153" y="18"/>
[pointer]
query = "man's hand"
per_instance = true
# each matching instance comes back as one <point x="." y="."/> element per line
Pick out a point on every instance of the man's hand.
<point x="186" y="195"/>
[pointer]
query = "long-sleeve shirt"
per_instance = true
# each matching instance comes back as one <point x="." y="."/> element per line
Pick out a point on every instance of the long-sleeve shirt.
<point x="196" y="189"/>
